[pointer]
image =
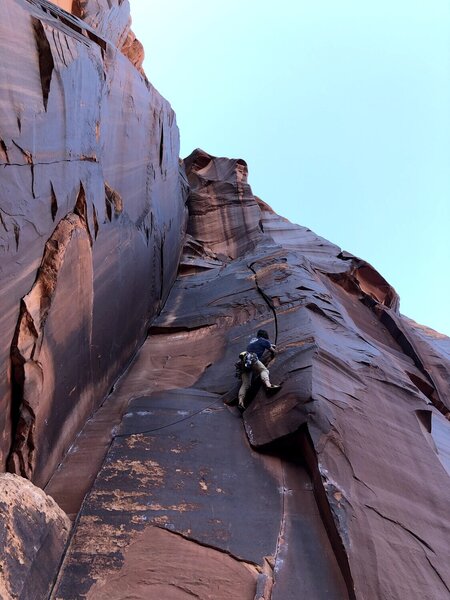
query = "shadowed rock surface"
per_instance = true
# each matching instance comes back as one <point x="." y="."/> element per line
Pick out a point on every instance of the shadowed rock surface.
<point x="90" y="185"/>
<point x="335" y="488"/>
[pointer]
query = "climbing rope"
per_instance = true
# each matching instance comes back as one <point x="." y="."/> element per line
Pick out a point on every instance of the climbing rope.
<point x="187" y="417"/>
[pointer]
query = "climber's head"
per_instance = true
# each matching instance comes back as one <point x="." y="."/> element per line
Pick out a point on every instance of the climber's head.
<point x="262" y="333"/>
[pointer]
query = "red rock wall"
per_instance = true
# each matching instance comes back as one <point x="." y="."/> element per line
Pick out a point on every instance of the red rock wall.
<point x="337" y="487"/>
<point x="33" y="533"/>
<point x="65" y="4"/>
<point x="347" y="496"/>
<point x="91" y="220"/>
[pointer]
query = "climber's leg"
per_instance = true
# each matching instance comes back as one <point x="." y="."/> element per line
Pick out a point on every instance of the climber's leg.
<point x="246" y="381"/>
<point x="263" y="372"/>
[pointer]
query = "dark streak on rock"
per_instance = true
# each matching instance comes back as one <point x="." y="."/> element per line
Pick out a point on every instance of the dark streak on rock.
<point x="112" y="200"/>
<point x="161" y="146"/>
<point x="94" y="217"/>
<point x="80" y="210"/>
<point x="32" y="180"/>
<point x="161" y="270"/>
<point x="2" y="221"/>
<point x="54" y="202"/>
<point x="46" y="63"/>
<point x="267" y="299"/>
<point x="16" y="235"/>
<point x="4" y="150"/>
<point x="26" y="153"/>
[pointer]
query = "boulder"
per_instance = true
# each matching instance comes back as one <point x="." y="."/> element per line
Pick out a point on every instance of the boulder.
<point x="34" y="532"/>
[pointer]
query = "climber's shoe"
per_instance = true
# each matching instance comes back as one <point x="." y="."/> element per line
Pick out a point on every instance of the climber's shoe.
<point x="273" y="387"/>
<point x="230" y="401"/>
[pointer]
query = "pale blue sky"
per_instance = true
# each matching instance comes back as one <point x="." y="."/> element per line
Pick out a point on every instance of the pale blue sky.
<point x="341" y="110"/>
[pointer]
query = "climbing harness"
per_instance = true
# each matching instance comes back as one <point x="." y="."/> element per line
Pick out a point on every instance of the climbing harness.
<point x="245" y="363"/>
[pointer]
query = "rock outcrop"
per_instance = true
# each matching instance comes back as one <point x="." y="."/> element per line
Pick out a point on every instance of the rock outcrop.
<point x="336" y="487"/>
<point x="347" y="494"/>
<point x="90" y="186"/>
<point x="33" y="533"/>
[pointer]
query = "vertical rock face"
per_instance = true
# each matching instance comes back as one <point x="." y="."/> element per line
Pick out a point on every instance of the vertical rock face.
<point x="223" y="214"/>
<point x="347" y="494"/>
<point x="335" y="488"/>
<point x="33" y="533"/>
<point x="92" y="218"/>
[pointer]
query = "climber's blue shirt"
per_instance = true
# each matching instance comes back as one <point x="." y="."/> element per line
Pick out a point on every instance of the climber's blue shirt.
<point x="258" y="345"/>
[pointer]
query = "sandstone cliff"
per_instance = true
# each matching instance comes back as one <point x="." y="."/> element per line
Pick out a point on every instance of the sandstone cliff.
<point x="336" y="487"/>
<point x="347" y="497"/>
<point x="90" y="187"/>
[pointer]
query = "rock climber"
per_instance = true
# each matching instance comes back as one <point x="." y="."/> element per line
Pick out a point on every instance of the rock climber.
<point x="250" y="362"/>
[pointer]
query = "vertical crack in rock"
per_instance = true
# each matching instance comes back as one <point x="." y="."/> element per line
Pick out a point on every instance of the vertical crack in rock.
<point x="95" y="219"/>
<point x="113" y="200"/>
<point x="265" y="581"/>
<point x="2" y="221"/>
<point x="281" y="534"/>
<point x="308" y="451"/>
<point x="161" y="147"/>
<point x="161" y="270"/>
<point x="26" y="368"/>
<point x="4" y="151"/>
<point x="267" y="299"/>
<point x="80" y="210"/>
<point x="46" y="63"/>
<point x="54" y="202"/>
<point x="16" y="235"/>
<point x="32" y="181"/>
<point x="325" y="508"/>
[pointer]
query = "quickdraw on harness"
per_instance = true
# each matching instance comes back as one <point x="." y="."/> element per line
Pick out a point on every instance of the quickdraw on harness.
<point x="245" y="363"/>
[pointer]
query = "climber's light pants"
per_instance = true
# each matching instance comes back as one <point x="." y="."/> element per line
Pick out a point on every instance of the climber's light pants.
<point x="259" y="369"/>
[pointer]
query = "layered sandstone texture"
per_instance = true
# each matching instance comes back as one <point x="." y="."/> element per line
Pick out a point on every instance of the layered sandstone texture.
<point x="92" y="218"/>
<point x="33" y="534"/>
<point x="335" y="487"/>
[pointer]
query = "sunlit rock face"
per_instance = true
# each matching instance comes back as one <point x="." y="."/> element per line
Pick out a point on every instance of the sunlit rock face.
<point x="335" y="487"/>
<point x="223" y="214"/>
<point x="92" y="217"/>
<point x="65" y="4"/>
